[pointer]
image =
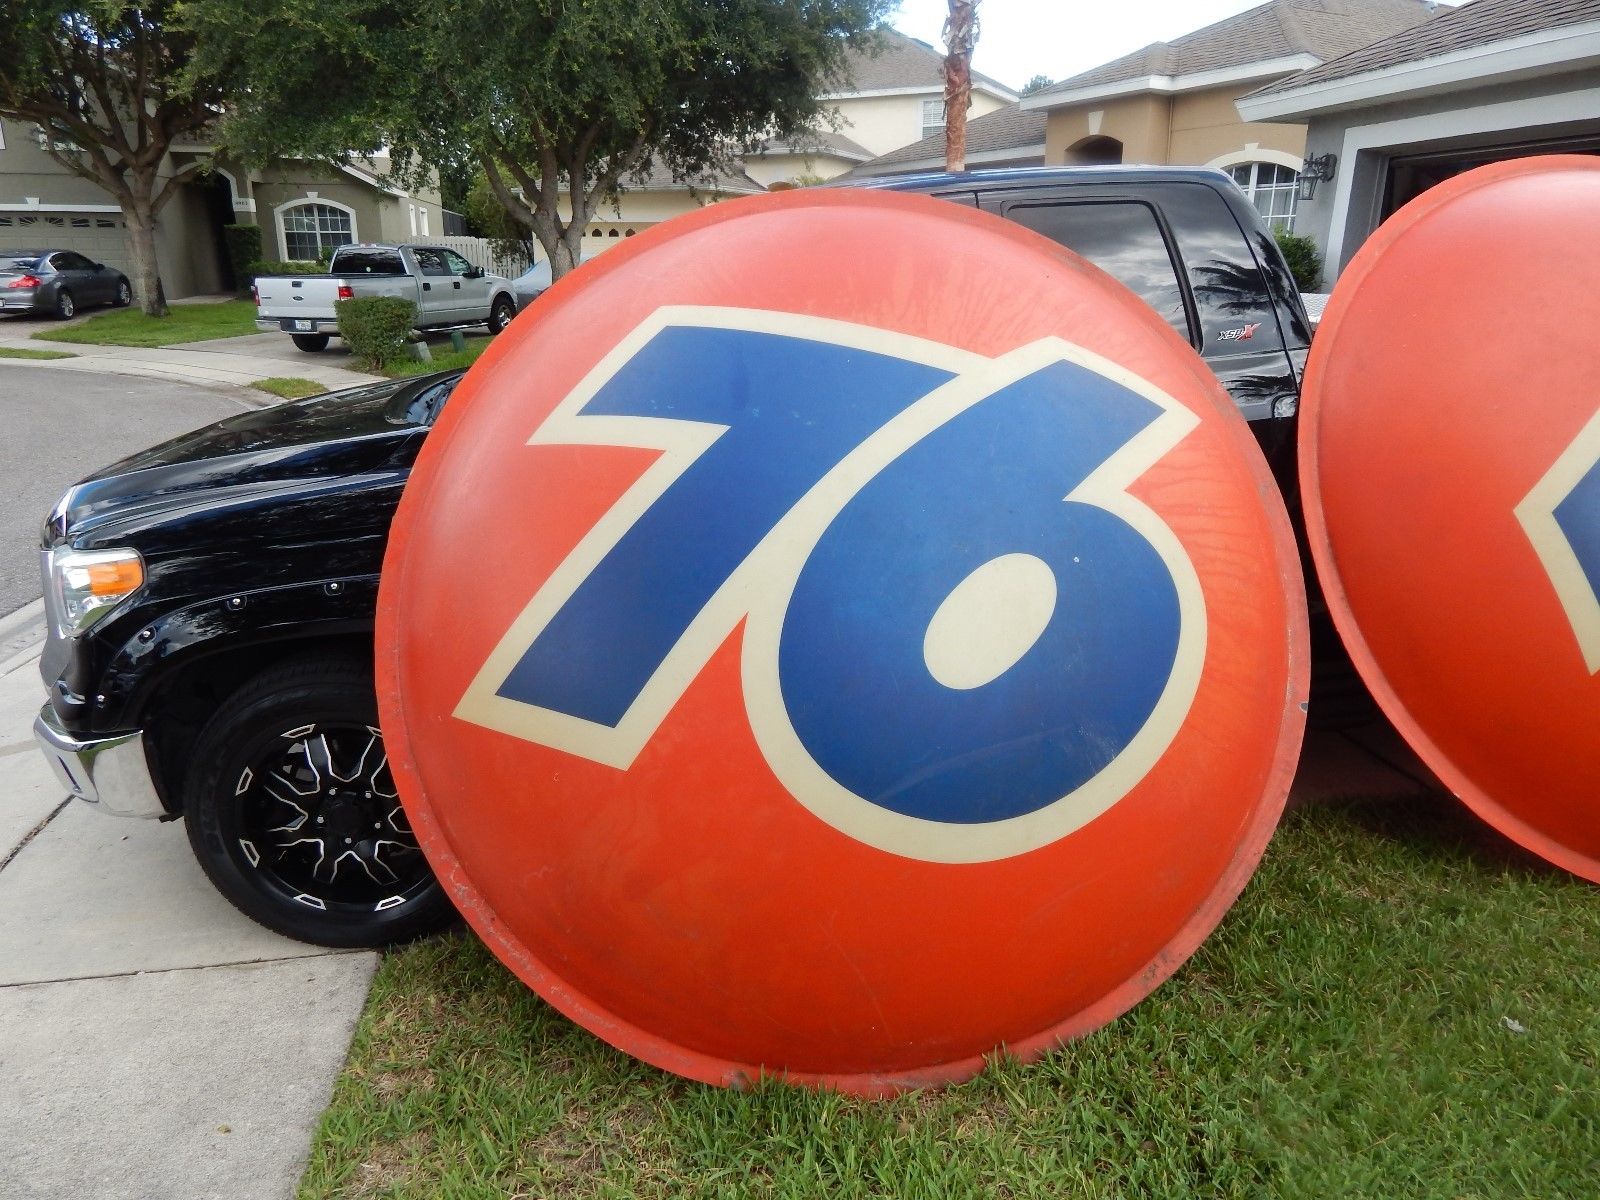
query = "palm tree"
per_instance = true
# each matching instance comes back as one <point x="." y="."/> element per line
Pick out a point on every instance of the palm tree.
<point x="960" y="35"/>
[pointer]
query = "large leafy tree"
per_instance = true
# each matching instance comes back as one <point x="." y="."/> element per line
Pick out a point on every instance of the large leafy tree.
<point x="111" y="86"/>
<point x="557" y="102"/>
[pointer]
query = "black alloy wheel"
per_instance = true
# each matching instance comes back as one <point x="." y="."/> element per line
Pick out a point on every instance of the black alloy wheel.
<point x="292" y="812"/>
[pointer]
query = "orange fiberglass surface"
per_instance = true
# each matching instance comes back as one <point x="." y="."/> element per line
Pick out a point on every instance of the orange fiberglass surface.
<point x="841" y="636"/>
<point x="1450" y="465"/>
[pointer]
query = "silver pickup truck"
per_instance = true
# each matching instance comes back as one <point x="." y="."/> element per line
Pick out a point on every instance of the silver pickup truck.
<point x="449" y="292"/>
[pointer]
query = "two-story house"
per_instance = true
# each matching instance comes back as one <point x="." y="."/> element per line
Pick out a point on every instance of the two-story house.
<point x="1173" y="103"/>
<point x="302" y="208"/>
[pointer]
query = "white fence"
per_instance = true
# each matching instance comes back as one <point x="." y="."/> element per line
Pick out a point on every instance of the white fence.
<point x="480" y="253"/>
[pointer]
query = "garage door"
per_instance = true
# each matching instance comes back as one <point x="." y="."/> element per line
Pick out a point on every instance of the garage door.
<point x="97" y="236"/>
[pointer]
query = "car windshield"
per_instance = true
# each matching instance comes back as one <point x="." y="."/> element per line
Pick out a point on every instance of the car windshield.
<point x="20" y="262"/>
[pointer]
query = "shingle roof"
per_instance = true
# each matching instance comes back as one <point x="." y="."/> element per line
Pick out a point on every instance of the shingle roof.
<point x="1010" y="128"/>
<point x="1480" y="23"/>
<point x="1279" y="29"/>
<point x="887" y="58"/>
<point x="656" y="178"/>
<point x="821" y="142"/>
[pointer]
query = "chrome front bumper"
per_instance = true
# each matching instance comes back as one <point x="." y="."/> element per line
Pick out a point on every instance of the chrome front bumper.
<point x="112" y="773"/>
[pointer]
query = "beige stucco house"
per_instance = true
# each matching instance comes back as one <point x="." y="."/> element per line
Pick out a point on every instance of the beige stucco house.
<point x="894" y="96"/>
<point x="301" y="208"/>
<point x="1173" y="103"/>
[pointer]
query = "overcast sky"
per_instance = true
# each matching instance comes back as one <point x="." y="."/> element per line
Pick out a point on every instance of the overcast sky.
<point x="1019" y="39"/>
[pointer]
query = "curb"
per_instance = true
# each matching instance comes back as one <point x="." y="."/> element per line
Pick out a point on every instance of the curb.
<point x="21" y="636"/>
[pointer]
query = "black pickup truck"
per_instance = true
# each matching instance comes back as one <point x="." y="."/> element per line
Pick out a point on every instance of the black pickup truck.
<point x="211" y="600"/>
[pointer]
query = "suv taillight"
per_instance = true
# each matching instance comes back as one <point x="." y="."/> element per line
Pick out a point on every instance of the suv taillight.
<point x="346" y="292"/>
<point x="25" y="281"/>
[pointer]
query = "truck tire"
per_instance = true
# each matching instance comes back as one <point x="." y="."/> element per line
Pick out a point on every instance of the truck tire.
<point x="292" y="814"/>
<point x="311" y="343"/>
<point x="501" y="313"/>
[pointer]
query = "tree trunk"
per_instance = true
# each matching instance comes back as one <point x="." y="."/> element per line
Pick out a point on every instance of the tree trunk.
<point x="960" y="35"/>
<point x="147" y="287"/>
<point x="547" y="229"/>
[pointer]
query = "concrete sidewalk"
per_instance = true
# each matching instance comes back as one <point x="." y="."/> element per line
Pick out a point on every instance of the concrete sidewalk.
<point x="235" y="362"/>
<point x="153" y="1042"/>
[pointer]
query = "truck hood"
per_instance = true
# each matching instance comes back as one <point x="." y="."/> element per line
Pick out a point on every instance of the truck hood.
<point x="328" y="437"/>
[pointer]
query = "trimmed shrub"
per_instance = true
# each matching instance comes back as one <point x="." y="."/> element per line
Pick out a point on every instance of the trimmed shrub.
<point x="244" y="251"/>
<point x="377" y="328"/>
<point x="1305" y="264"/>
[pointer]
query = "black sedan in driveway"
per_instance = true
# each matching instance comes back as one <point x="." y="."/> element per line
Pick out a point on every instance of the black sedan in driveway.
<point x="59" y="282"/>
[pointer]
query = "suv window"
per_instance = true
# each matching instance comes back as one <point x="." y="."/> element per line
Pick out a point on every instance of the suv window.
<point x="1230" y="291"/>
<point x="366" y="262"/>
<point x="1121" y="237"/>
<point x="430" y="261"/>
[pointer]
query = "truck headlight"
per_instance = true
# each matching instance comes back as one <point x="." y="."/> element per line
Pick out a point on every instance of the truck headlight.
<point x="86" y="585"/>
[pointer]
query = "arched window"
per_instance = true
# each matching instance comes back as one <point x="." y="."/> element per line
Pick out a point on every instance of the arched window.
<point x="311" y="226"/>
<point x="613" y="233"/>
<point x="1272" y="187"/>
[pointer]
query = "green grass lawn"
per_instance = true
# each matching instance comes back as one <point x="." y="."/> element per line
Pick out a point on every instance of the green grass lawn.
<point x="1399" y="1005"/>
<point x="186" y="323"/>
<point x="443" y="359"/>
<point x="289" y="387"/>
<point x="21" y="352"/>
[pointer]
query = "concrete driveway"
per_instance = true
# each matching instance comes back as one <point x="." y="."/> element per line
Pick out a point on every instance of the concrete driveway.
<point x="153" y="1042"/>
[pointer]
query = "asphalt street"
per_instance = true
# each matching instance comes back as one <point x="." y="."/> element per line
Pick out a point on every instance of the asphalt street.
<point x="57" y="427"/>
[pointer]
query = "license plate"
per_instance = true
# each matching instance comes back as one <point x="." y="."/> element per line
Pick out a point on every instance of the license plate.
<point x="305" y="324"/>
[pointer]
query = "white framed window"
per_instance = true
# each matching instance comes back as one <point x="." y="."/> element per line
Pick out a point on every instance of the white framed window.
<point x="308" y="227"/>
<point x="932" y="117"/>
<point x="1272" y="187"/>
<point x="413" y="208"/>
<point x="422" y="220"/>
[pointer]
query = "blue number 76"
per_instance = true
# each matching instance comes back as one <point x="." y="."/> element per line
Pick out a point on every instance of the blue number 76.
<point x="838" y="488"/>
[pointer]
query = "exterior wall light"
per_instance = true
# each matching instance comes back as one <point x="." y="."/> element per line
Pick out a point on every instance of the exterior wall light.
<point x="1313" y="170"/>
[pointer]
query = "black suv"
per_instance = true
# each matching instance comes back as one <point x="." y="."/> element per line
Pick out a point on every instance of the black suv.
<point x="211" y="600"/>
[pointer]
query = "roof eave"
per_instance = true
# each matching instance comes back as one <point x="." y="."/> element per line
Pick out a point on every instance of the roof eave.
<point x="936" y="163"/>
<point x="1170" y="84"/>
<point x="931" y="89"/>
<point x="855" y="156"/>
<point x="1547" y="52"/>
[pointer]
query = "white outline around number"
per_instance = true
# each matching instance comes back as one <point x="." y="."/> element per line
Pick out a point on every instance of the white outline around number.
<point x="1537" y="514"/>
<point x="762" y="585"/>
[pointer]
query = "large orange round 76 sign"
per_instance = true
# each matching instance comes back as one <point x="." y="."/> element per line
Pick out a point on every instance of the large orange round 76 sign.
<point x="841" y="636"/>
<point x="1450" y="454"/>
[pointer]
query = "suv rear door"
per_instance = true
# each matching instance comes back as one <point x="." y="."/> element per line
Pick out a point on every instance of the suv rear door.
<point x="1180" y="248"/>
